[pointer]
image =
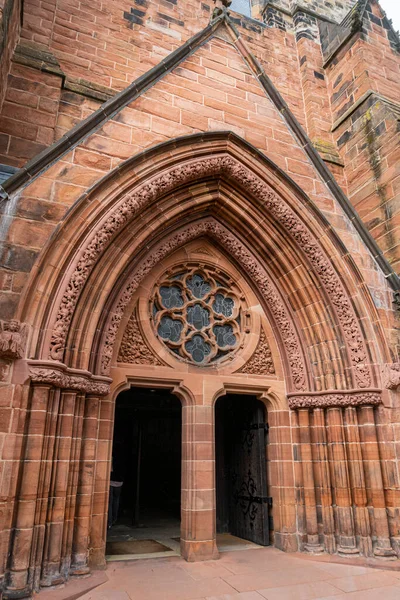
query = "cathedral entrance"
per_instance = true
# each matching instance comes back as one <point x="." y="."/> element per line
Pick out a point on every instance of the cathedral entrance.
<point x="144" y="518"/>
<point x="241" y="477"/>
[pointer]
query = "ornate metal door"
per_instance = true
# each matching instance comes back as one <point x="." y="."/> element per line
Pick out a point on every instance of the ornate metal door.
<point x="244" y="468"/>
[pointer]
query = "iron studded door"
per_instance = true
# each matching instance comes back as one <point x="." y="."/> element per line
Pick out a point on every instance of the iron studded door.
<point x="249" y="502"/>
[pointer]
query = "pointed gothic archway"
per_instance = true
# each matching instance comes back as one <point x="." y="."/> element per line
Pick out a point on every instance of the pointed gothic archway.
<point x="124" y="236"/>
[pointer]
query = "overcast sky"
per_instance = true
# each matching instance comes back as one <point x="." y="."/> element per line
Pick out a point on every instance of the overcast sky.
<point x="392" y="9"/>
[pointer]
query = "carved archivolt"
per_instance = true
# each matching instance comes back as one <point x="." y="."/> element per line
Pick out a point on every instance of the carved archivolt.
<point x="261" y="362"/>
<point x="133" y="348"/>
<point x="187" y="172"/>
<point x="254" y="270"/>
<point x="13" y="336"/>
<point x="335" y="399"/>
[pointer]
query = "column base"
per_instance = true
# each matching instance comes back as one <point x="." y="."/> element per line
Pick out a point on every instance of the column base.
<point x="193" y="551"/>
<point x="395" y="542"/>
<point x="385" y="553"/>
<point x="80" y="572"/>
<point x="313" y="548"/>
<point x="346" y="552"/>
<point x="10" y="594"/>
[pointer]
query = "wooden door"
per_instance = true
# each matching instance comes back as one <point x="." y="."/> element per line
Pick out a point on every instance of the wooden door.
<point x="241" y="472"/>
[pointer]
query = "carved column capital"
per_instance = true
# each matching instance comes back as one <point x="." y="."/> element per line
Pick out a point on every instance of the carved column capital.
<point x="335" y="399"/>
<point x="13" y="337"/>
<point x="58" y="375"/>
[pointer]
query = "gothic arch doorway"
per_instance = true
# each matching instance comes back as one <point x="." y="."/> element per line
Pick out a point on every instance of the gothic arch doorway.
<point x="211" y="201"/>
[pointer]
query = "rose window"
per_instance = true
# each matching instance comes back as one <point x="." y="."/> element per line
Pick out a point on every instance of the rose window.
<point x="197" y="314"/>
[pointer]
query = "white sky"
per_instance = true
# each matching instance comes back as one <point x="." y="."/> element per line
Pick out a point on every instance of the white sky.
<point x="392" y="9"/>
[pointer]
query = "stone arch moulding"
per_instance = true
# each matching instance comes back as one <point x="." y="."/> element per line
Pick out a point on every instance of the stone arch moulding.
<point x="218" y="233"/>
<point x="122" y="197"/>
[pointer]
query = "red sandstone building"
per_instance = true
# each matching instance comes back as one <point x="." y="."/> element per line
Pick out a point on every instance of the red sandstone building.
<point x="199" y="244"/>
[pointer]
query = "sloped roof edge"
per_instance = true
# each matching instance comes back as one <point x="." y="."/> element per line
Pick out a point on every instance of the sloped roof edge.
<point x="78" y="133"/>
<point x="106" y="111"/>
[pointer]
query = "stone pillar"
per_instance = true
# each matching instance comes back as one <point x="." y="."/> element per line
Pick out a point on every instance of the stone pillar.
<point x="356" y="469"/>
<point x="55" y="524"/>
<point x="374" y="480"/>
<point x="312" y="545"/>
<point x="84" y="502"/>
<point x="72" y="485"/>
<point x="19" y="581"/>
<point x="298" y="476"/>
<point x="282" y="480"/>
<point x="99" y="511"/>
<point x="198" y="526"/>
<point x="341" y="484"/>
<point x="320" y="454"/>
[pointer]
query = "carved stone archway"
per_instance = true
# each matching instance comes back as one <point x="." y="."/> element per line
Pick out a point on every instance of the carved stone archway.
<point x="322" y="415"/>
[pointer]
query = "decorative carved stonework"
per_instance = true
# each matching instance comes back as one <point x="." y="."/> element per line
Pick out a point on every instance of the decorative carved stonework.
<point x="335" y="399"/>
<point x="13" y="337"/>
<point x="261" y="362"/>
<point x="197" y="313"/>
<point x="221" y="6"/>
<point x="203" y="250"/>
<point x="391" y="376"/>
<point x="244" y="177"/>
<point x="61" y="377"/>
<point x="133" y="348"/>
<point x="252" y="268"/>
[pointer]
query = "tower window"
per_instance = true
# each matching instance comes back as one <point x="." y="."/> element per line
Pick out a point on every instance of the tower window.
<point x="242" y="7"/>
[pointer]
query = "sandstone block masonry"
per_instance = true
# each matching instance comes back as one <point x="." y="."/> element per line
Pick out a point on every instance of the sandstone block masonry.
<point x="148" y="134"/>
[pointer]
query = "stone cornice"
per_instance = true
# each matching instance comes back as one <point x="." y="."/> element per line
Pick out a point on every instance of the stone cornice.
<point x="335" y="399"/>
<point x="60" y="376"/>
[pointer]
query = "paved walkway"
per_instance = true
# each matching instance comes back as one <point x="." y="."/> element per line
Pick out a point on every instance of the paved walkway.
<point x="245" y="575"/>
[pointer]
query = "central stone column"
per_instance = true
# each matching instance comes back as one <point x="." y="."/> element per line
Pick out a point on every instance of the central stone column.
<point x="198" y="527"/>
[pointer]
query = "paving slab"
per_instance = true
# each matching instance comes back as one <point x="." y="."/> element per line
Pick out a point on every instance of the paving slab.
<point x="251" y="574"/>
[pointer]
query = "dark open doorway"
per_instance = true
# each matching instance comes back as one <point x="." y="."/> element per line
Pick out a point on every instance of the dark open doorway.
<point x="147" y="458"/>
<point x="241" y="479"/>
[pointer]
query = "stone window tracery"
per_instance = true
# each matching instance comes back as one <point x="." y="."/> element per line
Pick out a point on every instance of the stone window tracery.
<point x="198" y="313"/>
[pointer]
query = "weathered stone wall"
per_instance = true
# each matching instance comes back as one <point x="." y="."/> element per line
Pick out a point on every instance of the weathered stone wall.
<point x="10" y="23"/>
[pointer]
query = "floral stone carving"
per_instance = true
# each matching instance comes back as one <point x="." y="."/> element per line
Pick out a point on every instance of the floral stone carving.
<point x="335" y="400"/>
<point x="261" y="362"/>
<point x="133" y="348"/>
<point x="167" y="181"/>
<point x="60" y="378"/>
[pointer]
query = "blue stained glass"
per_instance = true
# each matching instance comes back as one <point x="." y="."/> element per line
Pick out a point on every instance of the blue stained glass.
<point x="223" y="306"/>
<point x="198" y="316"/>
<point x="198" y="348"/>
<point x="171" y="297"/>
<point x="224" y="335"/>
<point x="198" y="286"/>
<point x="170" y="329"/>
